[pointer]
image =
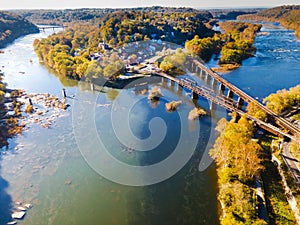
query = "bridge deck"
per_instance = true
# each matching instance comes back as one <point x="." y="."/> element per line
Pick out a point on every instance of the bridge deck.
<point x="229" y="104"/>
<point x="281" y="121"/>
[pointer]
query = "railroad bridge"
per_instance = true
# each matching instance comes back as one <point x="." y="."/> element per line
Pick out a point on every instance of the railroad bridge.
<point x="43" y="28"/>
<point x="228" y="96"/>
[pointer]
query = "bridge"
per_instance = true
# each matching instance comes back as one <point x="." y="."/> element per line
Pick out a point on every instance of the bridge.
<point x="43" y="28"/>
<point x="274" y="123"/>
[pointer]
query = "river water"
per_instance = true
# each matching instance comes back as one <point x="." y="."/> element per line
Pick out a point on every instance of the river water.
<point x="58" y="171"/>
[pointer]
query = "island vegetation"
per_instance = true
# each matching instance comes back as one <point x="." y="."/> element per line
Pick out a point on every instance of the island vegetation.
<point x="235" y="44"/>
<point x="287" y="15"/>
<point x="13" y="26"/>
<point x="173" y="105"/>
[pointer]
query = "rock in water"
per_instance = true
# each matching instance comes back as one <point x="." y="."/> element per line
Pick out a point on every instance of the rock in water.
<point x="172" y="106"/>
<point x="18" y="215"/>
<point x="22" y="208"/>
<point x="155" y="93"/>
<point x="195" y="113"/>
<point x="28" y="205"/>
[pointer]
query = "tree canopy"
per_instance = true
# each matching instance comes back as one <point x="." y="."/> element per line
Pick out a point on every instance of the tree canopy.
<point x="13" y="26"/>
<point x="238" y="158"/>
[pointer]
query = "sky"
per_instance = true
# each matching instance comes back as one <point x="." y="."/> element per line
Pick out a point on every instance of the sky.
<point x="63" y="4"/>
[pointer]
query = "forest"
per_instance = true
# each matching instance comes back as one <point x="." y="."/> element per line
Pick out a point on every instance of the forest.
<point x="239" y="160"/>
<point x="68" y="52"/>
<point x="13" y="26"/>
<point x="91" y="15"/>
<point x="235" y="44"/>
<point x="283" y="99"/>
<point x="288" y="16"/>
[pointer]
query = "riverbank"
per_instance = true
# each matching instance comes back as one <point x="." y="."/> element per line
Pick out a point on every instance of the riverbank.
<point x="19" y="109"/>
<point x="236" y="194"/>
<point x="14" y="26"/>
<point x="288" y="16"/>
<point x="280" y="177"/>
<point x="9" y="121"/>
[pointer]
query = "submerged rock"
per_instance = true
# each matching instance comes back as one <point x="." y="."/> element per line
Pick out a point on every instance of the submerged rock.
<point x="68" y="182"/>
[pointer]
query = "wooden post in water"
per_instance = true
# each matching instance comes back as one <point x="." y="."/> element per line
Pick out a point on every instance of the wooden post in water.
<point x="92" y="87"/>
<point x="64" y="93"/>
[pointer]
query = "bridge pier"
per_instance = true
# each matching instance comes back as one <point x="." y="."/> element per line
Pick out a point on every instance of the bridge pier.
<point x="195" y="95"/>
<point x="230" y="94"/>
<point x="192" y="67"/>
<point x="214" y="84"/>
<point x="172" y="84"/>
<point x="212" y="106"/>
<point x="164" y="82"/>
<point x="208" y="79"/>
<point x="222" y="88"/>
<point x="240" y="103"/>
<point x="179" y="89"/>
<point x="203" y="75"/>
<point x="198" y="70"/>
<point x="92" y="87"/>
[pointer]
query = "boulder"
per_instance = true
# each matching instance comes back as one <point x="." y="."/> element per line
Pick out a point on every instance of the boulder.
<point x="18" y="215"/>
<point x="28" y="206"/>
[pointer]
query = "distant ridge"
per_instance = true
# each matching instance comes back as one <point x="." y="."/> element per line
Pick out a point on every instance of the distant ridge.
<point x="13" y="26"/>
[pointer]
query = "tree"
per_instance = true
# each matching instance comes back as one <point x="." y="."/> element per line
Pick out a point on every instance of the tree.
<point x="255" y="110"/>
<point x="235" y="148"/>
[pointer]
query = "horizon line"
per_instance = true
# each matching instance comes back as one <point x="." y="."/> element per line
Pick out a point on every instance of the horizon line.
<point x="134" y="7"/>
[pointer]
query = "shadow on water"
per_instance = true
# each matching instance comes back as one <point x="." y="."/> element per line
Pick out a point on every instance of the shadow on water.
<point x="5" y="133"/>
<point x="5" y="200"/>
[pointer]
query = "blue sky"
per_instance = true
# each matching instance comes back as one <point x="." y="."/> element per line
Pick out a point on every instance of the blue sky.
<point x="61" y="4"/>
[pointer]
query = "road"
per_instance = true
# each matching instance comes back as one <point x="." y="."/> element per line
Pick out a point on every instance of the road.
<point x="291" y="162"/>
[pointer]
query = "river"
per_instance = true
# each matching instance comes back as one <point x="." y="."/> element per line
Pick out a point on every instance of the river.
<point x="57" y="173"/>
